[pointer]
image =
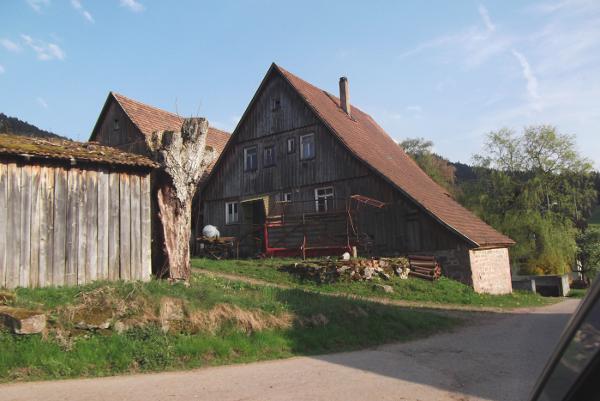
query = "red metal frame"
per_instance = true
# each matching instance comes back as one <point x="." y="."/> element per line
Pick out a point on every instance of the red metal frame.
<point x="320" y="250"/>
<point x="302" y="251"/>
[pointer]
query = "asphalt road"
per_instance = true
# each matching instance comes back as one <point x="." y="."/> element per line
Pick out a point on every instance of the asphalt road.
<point x="498" y="357"/>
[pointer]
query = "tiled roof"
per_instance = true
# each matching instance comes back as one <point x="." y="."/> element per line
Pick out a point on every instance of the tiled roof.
<point x="371" y="144"/>
<point x="149" y="119"/>
<point x="57" y="149"/>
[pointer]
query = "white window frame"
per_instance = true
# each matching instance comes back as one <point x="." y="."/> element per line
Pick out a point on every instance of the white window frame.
<point x="234" y="216"/>
<point x="272" y="149"/>
<point x="291" y="145"/>
<point x="286" y="197"/>
<point x="246" y="168"/>
<point x="302" y="143"/>
<point x="325" y="197"/>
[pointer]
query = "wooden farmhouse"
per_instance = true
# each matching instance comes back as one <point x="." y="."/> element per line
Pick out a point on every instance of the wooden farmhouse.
<point x="125" y="124"/>
<point x="307" y="173"/>
<point x="71" y="213"/>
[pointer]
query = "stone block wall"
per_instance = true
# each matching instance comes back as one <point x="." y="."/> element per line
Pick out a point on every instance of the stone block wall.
<point x="490" y="269"/>
<point x="455" y="263"/>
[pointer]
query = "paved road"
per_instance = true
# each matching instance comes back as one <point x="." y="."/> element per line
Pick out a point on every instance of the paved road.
<point x="497" y="358"/>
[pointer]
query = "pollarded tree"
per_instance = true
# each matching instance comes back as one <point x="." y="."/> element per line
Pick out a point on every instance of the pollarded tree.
<point x="183" y="158"/>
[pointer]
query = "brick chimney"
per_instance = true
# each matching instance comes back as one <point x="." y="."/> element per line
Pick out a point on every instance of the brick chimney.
<point x="345" y="96"/>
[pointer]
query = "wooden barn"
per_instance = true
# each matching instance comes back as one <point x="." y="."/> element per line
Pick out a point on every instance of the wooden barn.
<point x="125" y="124"/>
<point x="72" y="213"/>
<point x="306" y="172"/>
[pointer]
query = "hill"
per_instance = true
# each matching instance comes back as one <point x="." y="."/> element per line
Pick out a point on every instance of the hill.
<point x="12" y="125"/>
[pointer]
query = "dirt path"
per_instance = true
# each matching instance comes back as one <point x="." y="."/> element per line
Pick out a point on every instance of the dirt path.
<point x="408" y="304"/>
<point x="497" y="358"/>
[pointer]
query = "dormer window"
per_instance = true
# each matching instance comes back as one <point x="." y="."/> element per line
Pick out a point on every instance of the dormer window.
<point x="116" y="124"/>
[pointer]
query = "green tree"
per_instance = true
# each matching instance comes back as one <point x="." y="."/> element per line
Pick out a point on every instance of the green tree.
<point x="588" y="252"/>
<point x="435" y="166"/>
<point x="536" y="188"/>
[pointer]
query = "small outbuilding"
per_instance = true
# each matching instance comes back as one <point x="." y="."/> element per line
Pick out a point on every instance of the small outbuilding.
<point x="72" y="213"/>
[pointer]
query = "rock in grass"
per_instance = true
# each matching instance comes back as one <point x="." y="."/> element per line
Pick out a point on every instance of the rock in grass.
<point x="22" y="321"/>
<point x="6" y="297"/>
<point x="120" y="327"/>
<point x="383" y="288"/>
<point x="171" y="310"/>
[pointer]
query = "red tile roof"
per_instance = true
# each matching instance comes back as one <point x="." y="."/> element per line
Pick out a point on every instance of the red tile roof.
<point x="149" y="119"/>
<point x="371" y="144"/>
<point x="59" y="149"/>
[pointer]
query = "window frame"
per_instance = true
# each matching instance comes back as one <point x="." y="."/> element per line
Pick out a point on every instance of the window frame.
<point x="314" y="143"/>
<point x="246" y="149"/>
<point x="275" y="104"/>
<point x="285" y="197"/>
<point x="273" y="161"/>
<point x="325" y="197"/>
<point x="235" y="213"/>
<point x="292" y="141"/>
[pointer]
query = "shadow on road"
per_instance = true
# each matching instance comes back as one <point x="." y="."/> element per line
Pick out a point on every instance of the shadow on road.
<point x="495" y="356"/>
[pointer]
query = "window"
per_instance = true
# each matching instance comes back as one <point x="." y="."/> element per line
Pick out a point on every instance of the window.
<point x="286" y="197"/>
<point x="269" y="156"/>
<point x="291" y="145"/>
<point x="275" y="104"/>
<point x="251" y="158"/>
<point x="324" y="199"/>
<point x="307" y="146"/>
<point x="116" y="124"/>
<point x="231" y="213"/>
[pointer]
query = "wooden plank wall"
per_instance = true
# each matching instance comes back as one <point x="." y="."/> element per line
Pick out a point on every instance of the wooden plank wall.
<point x="70" y="226"/>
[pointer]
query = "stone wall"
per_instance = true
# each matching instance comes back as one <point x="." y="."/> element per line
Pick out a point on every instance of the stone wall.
<point x="454" y="263"/>
<point x="490" y="270"/>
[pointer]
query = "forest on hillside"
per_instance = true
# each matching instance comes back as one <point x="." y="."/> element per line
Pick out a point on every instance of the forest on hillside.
<point x="12" y="125"/>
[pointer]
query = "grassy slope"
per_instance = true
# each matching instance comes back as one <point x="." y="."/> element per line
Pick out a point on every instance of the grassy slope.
<point x="444" y="291"/>
<point x="342" y="324"/>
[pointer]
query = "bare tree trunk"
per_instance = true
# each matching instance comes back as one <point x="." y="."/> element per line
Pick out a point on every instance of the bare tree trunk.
<point x="176" y="226"/>
<point x="183" y="157"/>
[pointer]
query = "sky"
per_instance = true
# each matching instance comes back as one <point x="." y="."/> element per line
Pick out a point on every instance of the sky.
<point x="446" y="71"/>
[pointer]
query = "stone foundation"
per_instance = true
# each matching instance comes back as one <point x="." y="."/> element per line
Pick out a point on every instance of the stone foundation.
<point x="490" y="269"/>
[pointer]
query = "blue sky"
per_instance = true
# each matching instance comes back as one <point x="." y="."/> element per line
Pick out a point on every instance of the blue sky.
<point x="446" y="71"/>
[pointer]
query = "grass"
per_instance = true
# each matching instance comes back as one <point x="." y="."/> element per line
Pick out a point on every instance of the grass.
<point x="226" y="322"/>
<point x="443" y="291"/>
<point x="577" y="293"/>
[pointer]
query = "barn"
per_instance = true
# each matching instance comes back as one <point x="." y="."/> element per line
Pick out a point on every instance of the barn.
<point x="125" y="124"/>
<point x="72" y="213"/>
<point x="307" y="173"/>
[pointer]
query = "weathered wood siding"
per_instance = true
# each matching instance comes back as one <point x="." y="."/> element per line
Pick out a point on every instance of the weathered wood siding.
<point x="399" y="228"/>
<point x="126" y="137"/>
<point x="68" y="226"/>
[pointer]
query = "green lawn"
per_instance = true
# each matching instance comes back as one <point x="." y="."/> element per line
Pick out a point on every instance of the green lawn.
<point x="443" y="291"/>
<point x="577" y="293"/>
<point x="226" y="322"/>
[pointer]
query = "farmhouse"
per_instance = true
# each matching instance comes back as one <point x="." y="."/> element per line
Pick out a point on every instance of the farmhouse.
<point x="71" y="213"/>
<point x="305" y="172"/>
